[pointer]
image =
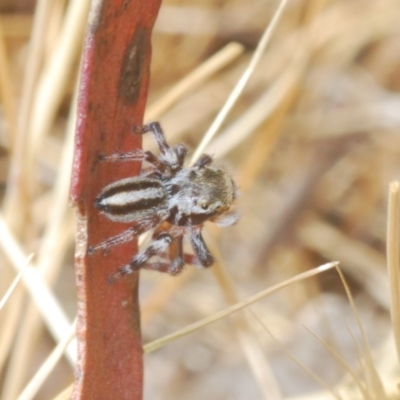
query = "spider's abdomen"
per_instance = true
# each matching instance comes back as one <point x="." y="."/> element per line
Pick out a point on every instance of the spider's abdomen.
<point x="132" y="199"/>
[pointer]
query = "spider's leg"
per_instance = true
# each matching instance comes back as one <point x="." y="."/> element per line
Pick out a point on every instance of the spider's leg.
<point x="173" y="157"/>
<point x="204" y="160"/>
<point x="176" y="256"/>
<point x="155" y="266"/>
<point x="135" y="155"/>
<point x="126" y="236"/>
<point x="189" y="259"/>
<point x="159" y="246"/>
<point x="121" y="238"/>
<point x="204" y="256"/>
<point x="158" y="134"/>
<point x="154" y="160"/>
<point x="181" y="151"/>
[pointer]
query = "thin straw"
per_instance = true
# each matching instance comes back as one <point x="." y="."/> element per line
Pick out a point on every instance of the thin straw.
<point x="238" y="89"/>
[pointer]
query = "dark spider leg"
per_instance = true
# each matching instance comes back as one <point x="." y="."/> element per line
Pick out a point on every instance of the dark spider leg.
<point x="157" y="132"/>
<point x="160" y="245"/>
<point x="172" y="157"/>
<point x="154" y="160"/>
<point x="175" y="266"/>
<point x="135" y="155"/>
<point x="181" y="151"/>
<point x="200" y="249"/>
<point x="161" y="267"/>
<point x="165" y="266"/>
<point x="204" y="160"/>
<point x="176" y="256"/>
<point x="155" y="266"/>
<point x="189" y="259"/>
<point x="126" y="236"/>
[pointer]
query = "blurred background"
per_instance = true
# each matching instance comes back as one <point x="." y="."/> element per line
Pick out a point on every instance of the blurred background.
<point x="313" y="143"/>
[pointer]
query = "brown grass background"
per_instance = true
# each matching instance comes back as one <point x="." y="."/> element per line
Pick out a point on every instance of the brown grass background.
<point x="313" y="143"/>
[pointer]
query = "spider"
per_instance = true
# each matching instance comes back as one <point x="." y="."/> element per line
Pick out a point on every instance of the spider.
<point x="172" y="199"/>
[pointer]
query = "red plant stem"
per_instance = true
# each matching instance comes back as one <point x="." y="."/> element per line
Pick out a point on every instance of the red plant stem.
<point x="113" y="91"/>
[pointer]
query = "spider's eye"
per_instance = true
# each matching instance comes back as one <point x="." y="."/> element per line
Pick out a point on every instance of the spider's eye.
<point x="203" y="205"/>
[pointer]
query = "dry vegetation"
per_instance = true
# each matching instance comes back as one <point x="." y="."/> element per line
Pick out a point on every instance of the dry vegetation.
<point x="313" y="144"/>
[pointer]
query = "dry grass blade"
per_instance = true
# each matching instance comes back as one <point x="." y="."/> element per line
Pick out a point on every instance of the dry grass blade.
<point x="18" y="205"/>
<point x="312" y="374"/>
<point x="260" y="110"/>
<point x="344" y="364"/>
<point x="366" y="367"/>
<point x="361" y="261"/>
<point x="7" y="92"/>
<point x="65" y="394"/>
<point x="47" y="367"/>
<point x="208" y="68"/>
<point x="239" y="306"/>
<point x="51" y="250"/>
<point x="315" y="396"/>
<point x="15" y="205"/>
<point x="54" y="78"/>
<point x="373" y="381"/>
<point x="246" y="335"/>
<point x="15" y="282"/>
<point x="238" y="89"/>
<point x="161" y="294"/>
<point x="393" y="238"/>
<point x="257" y="360"/>
<point x="56" y="239"/>
<point x="51" y="311"/>
<point x="311" y="141"/>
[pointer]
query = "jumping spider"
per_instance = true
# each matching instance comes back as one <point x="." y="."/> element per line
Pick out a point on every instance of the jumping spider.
<point x="172" y="199"/>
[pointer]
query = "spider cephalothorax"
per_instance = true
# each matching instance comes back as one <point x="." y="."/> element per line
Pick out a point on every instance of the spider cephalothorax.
<point x="173" y="200"/>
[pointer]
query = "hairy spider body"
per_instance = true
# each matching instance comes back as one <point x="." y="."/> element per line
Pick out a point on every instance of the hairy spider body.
<point x="132" y="199"/>
<point x="167" y="195"/>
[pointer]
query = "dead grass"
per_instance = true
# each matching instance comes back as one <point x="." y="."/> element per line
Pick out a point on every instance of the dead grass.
<point x="313" y="144"/>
